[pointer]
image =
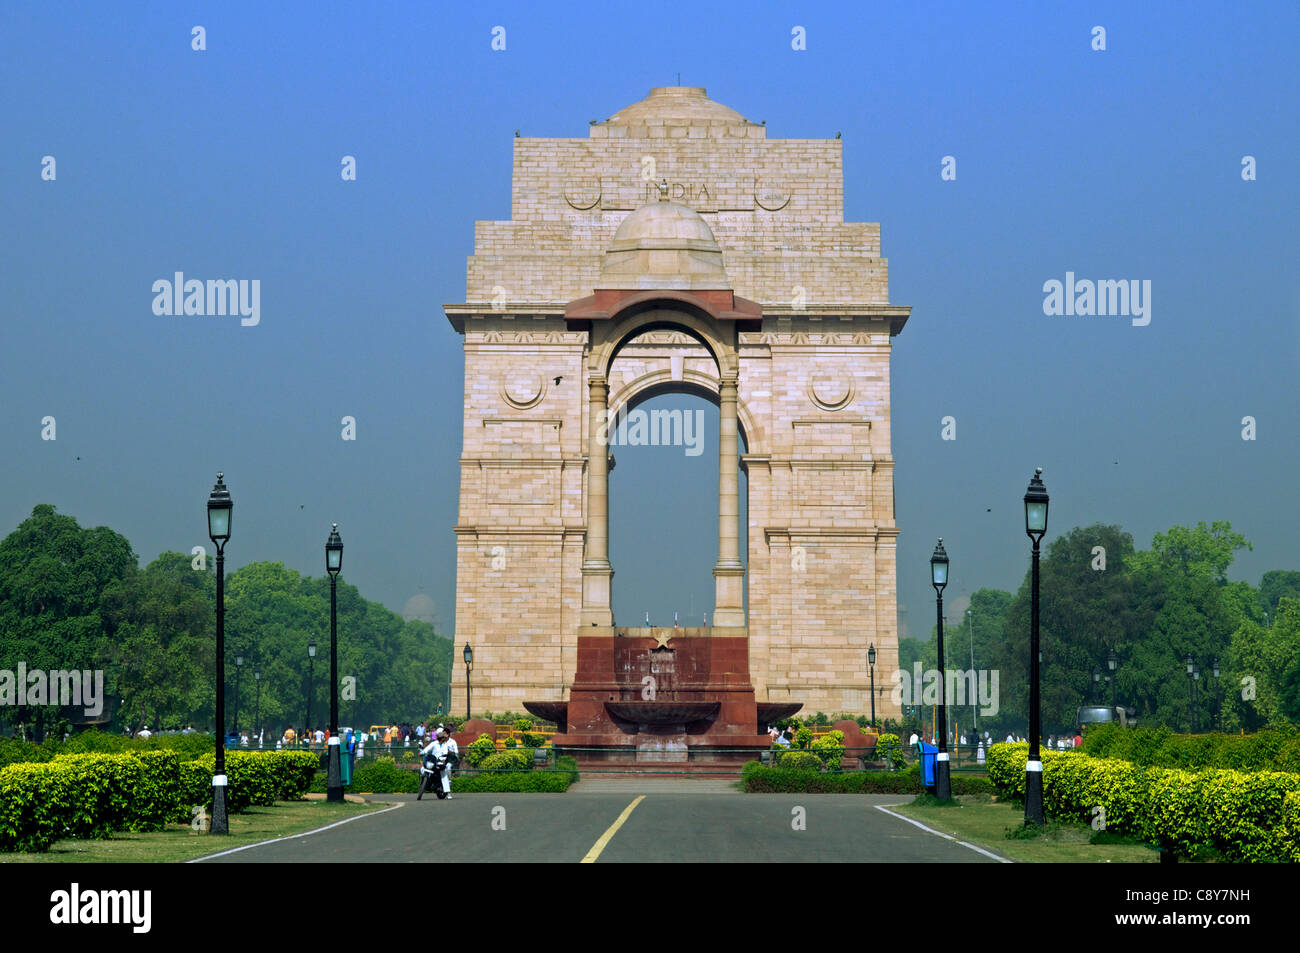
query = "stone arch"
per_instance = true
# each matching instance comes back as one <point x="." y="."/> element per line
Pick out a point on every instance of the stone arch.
<point x="658" y="382"/>
<point x="654" y="310"/>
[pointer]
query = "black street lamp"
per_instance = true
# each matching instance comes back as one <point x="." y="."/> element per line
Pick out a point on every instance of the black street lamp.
<point x="1196" y="691"/>
<point x="1096" y="679"/>
<point x="1036" y="501"/>
<point x="239" y="671"/>
<point x="871" y="663"/>
<point x="220" y="510"/>
<point x="257" y="710"/>
<point x="1191" y="700"/>
<point x="939" y="579"/>
<point x="1112" y="663"/>
<point x="974" y="716"/>
<point x="333" y="564"/>
<point x="311" y="680"/>
<point x="468" y="655"/>
<point x="1218" y="705"/>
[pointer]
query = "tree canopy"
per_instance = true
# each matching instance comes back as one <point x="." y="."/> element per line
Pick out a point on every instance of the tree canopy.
<point x="1152" y="608"/>
<point x="73" y="598"/>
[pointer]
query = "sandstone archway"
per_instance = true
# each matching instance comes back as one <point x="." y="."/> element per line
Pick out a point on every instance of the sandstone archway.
<point x="739" y="261"/>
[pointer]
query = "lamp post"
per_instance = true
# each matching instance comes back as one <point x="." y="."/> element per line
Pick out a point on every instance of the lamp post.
<point x="334" y="563"/>
<point x="311" y="679"/>
<point x="1196" y="691"/>
<point x="220" y="510"/>
<point x="1036" y="501"/>
<point x="1218" y="705"/>
<point x="1112" y="663"/>
<point x="239" y="671"/>
<point x="1191" y="702"/>
<point x="974" y="716"/>
<point x="468" y="655"/>
<point x="257" y="709"/>
<point x="1096" y="679"/>
<point x="871" y="664"/>
<point x="939" y="579"/>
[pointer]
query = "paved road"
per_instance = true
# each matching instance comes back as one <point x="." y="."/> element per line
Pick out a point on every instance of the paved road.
<point x="681" y="826"/>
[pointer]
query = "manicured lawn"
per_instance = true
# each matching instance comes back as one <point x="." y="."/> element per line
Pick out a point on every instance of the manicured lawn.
<point x="178" y="842"/>
<point x="984" y="822"/>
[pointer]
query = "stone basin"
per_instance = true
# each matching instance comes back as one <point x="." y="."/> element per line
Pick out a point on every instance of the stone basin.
<point x="771" y="712"/>
<point x="662" y="714"/>
<point x="555" y="712"/>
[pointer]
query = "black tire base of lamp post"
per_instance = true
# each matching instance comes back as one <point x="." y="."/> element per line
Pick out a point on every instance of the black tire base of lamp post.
<point x="334" y="781"/>
<point x="1034" y="794"/>
<point x="942" y="779"/>
<point x="220" y="822"/>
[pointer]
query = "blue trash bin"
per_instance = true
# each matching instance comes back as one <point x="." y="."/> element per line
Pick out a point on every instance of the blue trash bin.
<point x="929" y="755"/>
<point x="232" y="739"/>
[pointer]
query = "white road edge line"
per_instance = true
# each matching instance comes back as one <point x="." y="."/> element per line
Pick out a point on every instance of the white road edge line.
<point x="281" y="840"/>
<point x="978" y="850"/>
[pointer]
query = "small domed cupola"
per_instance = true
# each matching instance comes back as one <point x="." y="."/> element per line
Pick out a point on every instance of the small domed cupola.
<point x="664" y="245"/>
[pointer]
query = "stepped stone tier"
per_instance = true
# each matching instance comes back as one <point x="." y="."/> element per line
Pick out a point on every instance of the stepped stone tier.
<point x="676" y="248"/>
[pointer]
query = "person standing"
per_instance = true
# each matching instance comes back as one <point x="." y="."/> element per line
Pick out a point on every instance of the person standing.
<point x="453" y="756"/>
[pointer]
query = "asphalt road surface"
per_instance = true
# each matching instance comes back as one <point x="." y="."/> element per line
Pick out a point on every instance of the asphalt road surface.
<point x="660" y="823"/>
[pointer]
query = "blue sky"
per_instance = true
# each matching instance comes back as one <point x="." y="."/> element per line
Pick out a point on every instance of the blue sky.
<point x="1117" y="164"/>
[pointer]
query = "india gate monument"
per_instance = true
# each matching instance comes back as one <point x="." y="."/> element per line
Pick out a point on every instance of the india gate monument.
<point x="677" y="248"/>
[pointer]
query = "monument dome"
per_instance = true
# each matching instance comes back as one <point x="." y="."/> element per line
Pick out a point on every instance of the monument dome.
<point x="664" y="245"/>
<point x="676" y="102"/>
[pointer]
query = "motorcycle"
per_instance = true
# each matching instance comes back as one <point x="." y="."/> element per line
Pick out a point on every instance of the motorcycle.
<point x="431" y="776"/>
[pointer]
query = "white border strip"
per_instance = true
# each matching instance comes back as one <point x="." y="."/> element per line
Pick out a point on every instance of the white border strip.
<point x="978" y="850"/>
<point x="281" y="840"/>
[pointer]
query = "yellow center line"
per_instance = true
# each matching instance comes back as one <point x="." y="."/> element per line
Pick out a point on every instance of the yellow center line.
<point x="605" y="838"/>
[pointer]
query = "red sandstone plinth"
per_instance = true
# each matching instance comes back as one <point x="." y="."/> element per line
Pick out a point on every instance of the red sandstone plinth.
<point x="649" y="696"/>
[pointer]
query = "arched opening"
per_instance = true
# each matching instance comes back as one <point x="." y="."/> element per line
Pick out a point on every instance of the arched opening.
<point x="664" y="496"/>
<point x="663" y="505"/>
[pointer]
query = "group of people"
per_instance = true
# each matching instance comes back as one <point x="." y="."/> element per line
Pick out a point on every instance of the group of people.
<point x="783" y="739"/>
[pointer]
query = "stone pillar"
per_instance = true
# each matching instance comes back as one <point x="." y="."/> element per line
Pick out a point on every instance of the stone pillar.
<point x="597" y="574"/>
<point x="729" y="573"/>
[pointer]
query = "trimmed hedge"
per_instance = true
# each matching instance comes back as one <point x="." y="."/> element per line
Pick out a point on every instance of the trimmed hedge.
<point x="536" y="782"/>
<point x="381" y="776"/>
<point x="891" y="748"/>
<point x="17" y="751"/>
<point x="478" y="749"/>
<point x="511" y="760"/>
<point x="830" y="749"/>
<point x="33" y="800"/>
<point x="1160" y="747"/>
<point x="1245" y="816"/>
<point x="92" y="795"/>
<point x="799" y="761"/>
<point x="758" y="778"/>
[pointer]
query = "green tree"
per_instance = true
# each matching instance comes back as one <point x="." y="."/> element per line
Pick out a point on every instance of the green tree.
<point x="1278" y="584"/>
<point x="53" y="573"/>
<point x="1085" y="612"/>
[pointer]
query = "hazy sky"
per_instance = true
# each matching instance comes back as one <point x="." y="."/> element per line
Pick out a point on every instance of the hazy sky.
<point x="1122" y="164"/>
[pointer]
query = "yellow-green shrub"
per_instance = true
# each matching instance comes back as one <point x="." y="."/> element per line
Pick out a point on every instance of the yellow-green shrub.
<point x="1245" y="816"/>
